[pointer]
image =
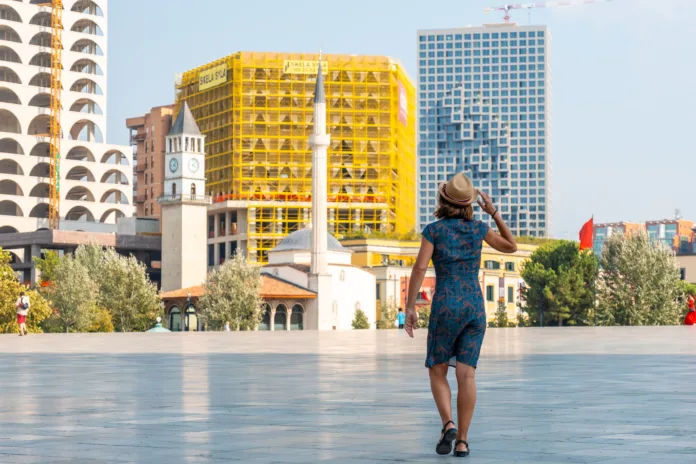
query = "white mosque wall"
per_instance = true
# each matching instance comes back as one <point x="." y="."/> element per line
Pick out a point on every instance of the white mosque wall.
<point x="289" y="273"/>
<point x="305" y="257"/>
<point x="352" y="288"/>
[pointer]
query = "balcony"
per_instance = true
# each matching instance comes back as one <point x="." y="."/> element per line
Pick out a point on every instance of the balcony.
<point x="140" y="168"/>
<point x="187" y="199"/>
<point x="140" y="198"/>
<point x="138" y="137"/>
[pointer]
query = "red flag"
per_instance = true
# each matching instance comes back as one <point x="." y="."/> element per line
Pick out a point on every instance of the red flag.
<point x="587" y="235"/>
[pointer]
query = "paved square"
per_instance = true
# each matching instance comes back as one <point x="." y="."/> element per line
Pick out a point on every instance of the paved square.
<point x="611" y="396"/>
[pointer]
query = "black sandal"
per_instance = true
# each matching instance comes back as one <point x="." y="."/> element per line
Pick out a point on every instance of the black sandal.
<point x="444" y="446"/>
<point x="461" y="454"/>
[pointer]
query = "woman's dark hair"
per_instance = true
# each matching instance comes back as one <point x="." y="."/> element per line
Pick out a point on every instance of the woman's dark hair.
<point x="447" y="210"/>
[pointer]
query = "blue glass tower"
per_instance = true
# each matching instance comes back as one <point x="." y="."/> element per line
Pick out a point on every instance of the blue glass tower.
<point x="484" y="109"/>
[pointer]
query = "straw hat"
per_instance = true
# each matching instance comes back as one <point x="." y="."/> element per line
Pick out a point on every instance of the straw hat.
<point x="459" y="190"/>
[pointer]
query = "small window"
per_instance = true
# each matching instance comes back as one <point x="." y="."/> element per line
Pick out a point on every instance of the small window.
<point x="377" y="292"/>
<point x="492" y="264"/>
<point x="211" y="255"/>
<point x="510" y="266"/>
<point x="489" y="292"/>
<point x="342" y="275"/>
<point x="221" y="250"/>
<point x="511" y="294"/>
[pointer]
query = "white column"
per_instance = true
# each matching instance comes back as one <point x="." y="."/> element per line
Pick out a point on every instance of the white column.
<point x="319" y="141"/>
<point x="332" y="219"/>
<point x="279" y="219"/>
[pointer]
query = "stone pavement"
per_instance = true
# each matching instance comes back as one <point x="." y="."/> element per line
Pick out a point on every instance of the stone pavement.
<point x="610" y="396"/>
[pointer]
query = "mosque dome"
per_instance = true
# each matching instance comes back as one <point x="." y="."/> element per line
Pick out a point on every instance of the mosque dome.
<point x="302" y="240"/>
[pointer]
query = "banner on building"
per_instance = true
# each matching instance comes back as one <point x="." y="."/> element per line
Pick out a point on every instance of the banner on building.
<point x="304" y="67"/>
<point x="212" y="77"/>
<point x="403" y="104"/>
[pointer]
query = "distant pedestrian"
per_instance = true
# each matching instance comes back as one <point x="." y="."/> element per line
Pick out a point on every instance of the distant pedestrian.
<point x="690" y="318"/>
<point x="227" y="326"/>
<point x="22" y="311"/>
<point x="401" y="318"/>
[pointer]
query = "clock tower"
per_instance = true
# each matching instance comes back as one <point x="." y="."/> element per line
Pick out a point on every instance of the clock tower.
<point x="184" y="205"/>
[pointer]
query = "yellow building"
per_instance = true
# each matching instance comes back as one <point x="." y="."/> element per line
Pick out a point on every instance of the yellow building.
<point x="391" y="261"/>
<point x="255" y="110"/>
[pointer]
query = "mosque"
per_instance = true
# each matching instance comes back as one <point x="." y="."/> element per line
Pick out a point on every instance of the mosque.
<point x="309" y="281"/>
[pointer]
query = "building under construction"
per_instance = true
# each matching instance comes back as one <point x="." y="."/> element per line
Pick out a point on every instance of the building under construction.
<point x="255" y="110"/>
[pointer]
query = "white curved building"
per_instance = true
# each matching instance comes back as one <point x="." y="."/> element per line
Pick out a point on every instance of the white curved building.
<point x="96" y="178"/>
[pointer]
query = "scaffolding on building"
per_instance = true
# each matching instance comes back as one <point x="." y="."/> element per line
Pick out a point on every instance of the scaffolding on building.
<point x="257" y="119"/>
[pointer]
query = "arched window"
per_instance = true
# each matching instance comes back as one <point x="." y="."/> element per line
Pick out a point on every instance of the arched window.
<point x="8" y="75"/>
<point x="9" y="34"/>
<point x="191" y="319"/>
<point x="175" y="319"/>
<point x="193" y="190"/>
<point x="297" y="318"/>
<point x="87" y="7"/>
<point x="280" y="321"/>
<point x="266" y="321"/>
<point x="9" y="14"/>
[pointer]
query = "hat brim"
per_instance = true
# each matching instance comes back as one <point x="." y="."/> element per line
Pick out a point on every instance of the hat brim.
<point x="443" y="194"/>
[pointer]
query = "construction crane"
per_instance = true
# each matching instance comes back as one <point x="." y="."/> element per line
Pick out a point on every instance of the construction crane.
<point x="529" y="6"/>
<point x="56" y="105"/>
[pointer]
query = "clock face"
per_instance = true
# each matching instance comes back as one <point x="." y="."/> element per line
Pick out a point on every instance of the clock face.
<point x="193" y="165"/>
<point x="173" y="165"/>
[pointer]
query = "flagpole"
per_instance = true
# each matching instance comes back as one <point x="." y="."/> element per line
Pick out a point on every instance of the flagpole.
<point x="594" y="282"/>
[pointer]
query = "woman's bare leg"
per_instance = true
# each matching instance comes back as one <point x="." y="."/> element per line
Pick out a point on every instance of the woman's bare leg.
<point x="466" y="401"/>
<point x="441" y="392"/>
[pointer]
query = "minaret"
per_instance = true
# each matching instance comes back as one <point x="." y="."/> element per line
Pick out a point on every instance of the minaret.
<point x="319" y="141"/>
<point x="320" y="315"/>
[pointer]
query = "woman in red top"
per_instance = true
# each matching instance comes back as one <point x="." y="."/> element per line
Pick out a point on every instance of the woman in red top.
<point x="690" y="318"/>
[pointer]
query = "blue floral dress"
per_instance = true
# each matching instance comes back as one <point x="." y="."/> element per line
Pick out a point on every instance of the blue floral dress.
<point x="457" y="315"/>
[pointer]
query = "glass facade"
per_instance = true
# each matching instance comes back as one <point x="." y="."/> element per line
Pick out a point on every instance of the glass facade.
<point x="484" y="97"/>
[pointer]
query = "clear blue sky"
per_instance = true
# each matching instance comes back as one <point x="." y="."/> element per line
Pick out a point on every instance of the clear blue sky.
<point x="623" y="80"/>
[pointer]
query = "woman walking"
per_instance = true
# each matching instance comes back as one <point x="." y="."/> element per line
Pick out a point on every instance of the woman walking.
<point x="458" y="317"/>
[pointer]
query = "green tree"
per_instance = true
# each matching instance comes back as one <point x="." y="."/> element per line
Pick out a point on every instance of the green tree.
<point x="47" y="266"/>
<point x="126" y="291"/>
<point x="74" y="295"/>
<point x="232" y="293"/>
<point x="522" y="319"/>
<point x="102" y="321"/>
<point x="501" y="316"/>
<point x="639" y="283"/>
<point x="360" y="321"/>
<point x="423" y="317"/>
<point x="124" y="288"/>
<point x="560" y="282"/>
<point x="388" y="313"/>
<point x="10" y="288"/>
<point x="92" y="257"/>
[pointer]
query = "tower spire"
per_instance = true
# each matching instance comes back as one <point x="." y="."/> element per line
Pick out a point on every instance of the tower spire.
<point x="319" y="96"/>
<point x="319" y="142"/>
